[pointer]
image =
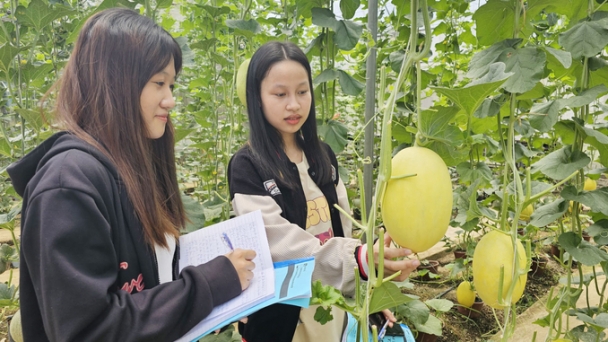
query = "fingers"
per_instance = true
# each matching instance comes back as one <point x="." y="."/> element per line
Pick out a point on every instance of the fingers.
<point x="387" y="239"/>
<point x="389" y="317"/>
<point x="241" y="259"/>
<point x="405" y="266"/>
<point x="391" y="253"/>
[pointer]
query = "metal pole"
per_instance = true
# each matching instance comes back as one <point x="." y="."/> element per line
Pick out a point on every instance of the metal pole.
<point x="370" y="104"/>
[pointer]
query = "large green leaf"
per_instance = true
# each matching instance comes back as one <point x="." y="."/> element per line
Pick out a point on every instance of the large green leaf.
<point x="597" y="200"/>
<point x="548" y="213"/>
<point x="326" y="76"/>
<point x="561" y="163"/>
<point x="543" y="116"/>
<point x="469" y="174"/>
<point x="323" y="17"/>
<point x="527" y="66"/>
<point x="388" y="295"/>
<point x="432" y="122"/>
<point x="215" y="11"/>
<point x="563" y="57"/>
<point x="194" y="212"/>
<point x="33" y="117"/>
<point x="490" y="106"/>
<point x="38" y="14"/>
<point x="471" y="96"/>
<point x="581" y="250"/>
<point x="599" y="232"/>
<point x="600" y="323"/>
<point x="34" y="72"/>
<point x="447" y="147"/>
<point x="482" y="61"/>
<point x="494" y="21"/>
<point x="350" y="86"/>
<point x="347" y="34"/>
<point x="7" y="53"/>
<point x="440" y="305"/>
<point x="349" y="7"/>
<point x="244" y="25"/>
<point x="585" y="39"/>
<point x="335" y="134"/>
<point x="181" y="133"/>
<point x="416" y="311"/>
<point x="431" y="326"/>
<point x="305" y="6"/>
<point x="585" y="98"/>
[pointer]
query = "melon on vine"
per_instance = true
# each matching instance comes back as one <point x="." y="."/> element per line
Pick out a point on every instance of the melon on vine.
<point x="416" y="209"/>
<point x="241" y="81"/>
<point x="493" y="252"/>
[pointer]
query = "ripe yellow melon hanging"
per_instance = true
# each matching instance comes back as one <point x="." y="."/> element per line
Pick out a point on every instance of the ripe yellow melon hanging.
<point x="495" y="249"/>
<point x="416" y="210"/>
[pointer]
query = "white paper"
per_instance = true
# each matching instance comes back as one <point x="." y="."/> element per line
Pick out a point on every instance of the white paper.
<point x="245" y="232"/>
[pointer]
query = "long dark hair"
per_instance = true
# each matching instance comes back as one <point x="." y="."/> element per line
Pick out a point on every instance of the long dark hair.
<point x="265" y="141"/>
<point x="116" y="54"/>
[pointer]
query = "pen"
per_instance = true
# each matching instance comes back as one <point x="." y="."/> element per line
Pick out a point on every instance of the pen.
<point x="382" y="331"/>
<point x="227" y="241"/>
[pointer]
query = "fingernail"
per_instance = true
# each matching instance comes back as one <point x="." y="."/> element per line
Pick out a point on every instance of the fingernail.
<point x="415" y="263"/>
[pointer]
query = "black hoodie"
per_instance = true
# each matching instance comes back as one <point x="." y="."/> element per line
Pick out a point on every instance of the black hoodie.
<point x="86" y="272"/>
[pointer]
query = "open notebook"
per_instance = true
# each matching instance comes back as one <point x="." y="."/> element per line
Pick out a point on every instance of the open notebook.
<point x="285" y="282"/>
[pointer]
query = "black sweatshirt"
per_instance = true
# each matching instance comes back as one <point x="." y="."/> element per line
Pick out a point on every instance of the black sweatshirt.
<point x="86" y="272"/>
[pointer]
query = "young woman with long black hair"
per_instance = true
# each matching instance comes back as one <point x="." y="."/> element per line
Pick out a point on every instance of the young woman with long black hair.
<point x="289" y="174"/>
<point x="101" y="206"/>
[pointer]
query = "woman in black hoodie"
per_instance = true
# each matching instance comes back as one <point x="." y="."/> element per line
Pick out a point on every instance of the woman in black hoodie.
<point x="101" y="206"/>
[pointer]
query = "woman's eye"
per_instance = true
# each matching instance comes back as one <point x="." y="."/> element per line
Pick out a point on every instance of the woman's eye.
<point x="280" y="94"/>
<point x="172" y="87"/>
<point x="160" y="83"/>
<point x="302" y="92"/>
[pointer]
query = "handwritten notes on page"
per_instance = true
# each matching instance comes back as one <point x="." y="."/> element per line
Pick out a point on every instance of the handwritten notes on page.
<point x="246" y="232"/>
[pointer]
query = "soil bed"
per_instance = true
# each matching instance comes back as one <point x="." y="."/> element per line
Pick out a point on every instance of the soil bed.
<point x="457" y="327"/>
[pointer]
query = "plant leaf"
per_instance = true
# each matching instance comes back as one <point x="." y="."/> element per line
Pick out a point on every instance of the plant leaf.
<point x="349" y="8"/>
<point x="561" y="163"/>
<point x="194" y="213"/>
<point x="563" y="57"/>
<point x="388" y="295"/>
<point x="440" y="305"/>
<point x="470" y="98"/>
<point x="586" y="38"/>
<point x="585" y="98"/>
<point x="431" y="326"/>
<point x="326" y="76"/>
<point x="323" y="17"/>
<point x="597" y="200"/>
<point x="543" y="116"/>
<point x="548" y="213"/>
<point x="416" y="311"/>
<point x="244" y="25"/>
<point x="335" y="134"/>
<point x="38" y="14"/>
<point x="32" y="117"/>
<point x="527" y="66"/>
<point x="582" y="250"/>
<point x="350" y="86"/>
<point x="494" y="21"/>
<point x="7" y="53"/>
<point x="482" y="60"/>
<point x="599" y="232"/>
<point x="347" y="34"/>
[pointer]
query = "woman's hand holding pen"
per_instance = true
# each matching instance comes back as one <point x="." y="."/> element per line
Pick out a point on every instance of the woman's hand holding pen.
<point x="242" y="261"/>
<point x="393" y="259"/>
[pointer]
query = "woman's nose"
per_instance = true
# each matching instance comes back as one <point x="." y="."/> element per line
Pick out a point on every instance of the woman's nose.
<point x="168" y="102"/>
